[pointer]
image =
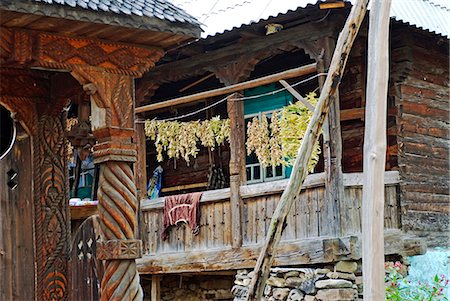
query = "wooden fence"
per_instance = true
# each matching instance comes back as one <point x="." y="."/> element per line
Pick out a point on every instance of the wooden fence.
<point x="309" y="217"/>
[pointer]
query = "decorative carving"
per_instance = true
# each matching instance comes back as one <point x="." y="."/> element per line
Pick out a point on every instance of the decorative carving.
<point x="119" y="249"/>
<point x="235" y="71"/>
<point x="60" y="52"/>
<point x="117" y="212"/>
<point x="112" y="92"/>
<point x="52" y="232"/>
<point x="24" y="110"/>
<point x="112" y="110"/>
<point x="63" y="53"/>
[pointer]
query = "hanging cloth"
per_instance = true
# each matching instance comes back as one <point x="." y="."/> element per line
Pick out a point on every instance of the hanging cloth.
<point x="182" y="208"/>
<point x="155" y="183"/>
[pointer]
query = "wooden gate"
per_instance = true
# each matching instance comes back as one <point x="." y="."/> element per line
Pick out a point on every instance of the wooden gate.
<point x="16" y="222"/>
<point x="86" y="270"/>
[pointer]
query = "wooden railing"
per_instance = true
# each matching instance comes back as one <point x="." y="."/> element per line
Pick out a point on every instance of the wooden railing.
<point x="307" y="218"/>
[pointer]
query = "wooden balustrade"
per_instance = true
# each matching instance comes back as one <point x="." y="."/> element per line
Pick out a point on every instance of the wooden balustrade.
<point x="306" y="220"/>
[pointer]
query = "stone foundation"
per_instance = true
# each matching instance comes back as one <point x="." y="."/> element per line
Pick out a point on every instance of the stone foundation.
<point x="194" y="288"/>
<point x="341" y="281"/>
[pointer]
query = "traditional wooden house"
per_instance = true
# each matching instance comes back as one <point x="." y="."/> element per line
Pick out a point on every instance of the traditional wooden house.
<point x="324" y="226"/>
<point x="56" y="54"/>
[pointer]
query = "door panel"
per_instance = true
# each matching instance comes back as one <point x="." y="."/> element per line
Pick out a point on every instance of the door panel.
<point x="16" y="222"/>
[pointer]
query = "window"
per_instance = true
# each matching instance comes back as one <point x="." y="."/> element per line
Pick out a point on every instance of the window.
<point x="256" y="173"/>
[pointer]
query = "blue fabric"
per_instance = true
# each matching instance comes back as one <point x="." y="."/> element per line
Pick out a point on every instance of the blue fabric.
<point x="155" y="183"/>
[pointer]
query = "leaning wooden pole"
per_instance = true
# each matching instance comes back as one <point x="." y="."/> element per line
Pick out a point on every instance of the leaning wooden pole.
<point x="300" y="170"/>
<point x="375" y="151"/>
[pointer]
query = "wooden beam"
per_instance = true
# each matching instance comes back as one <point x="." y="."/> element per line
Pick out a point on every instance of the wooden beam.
<point x="275" y="187"/>
<point x="196" y="82"/>
<point x="156" y="288"/>
<point x="296" y="94"/>
<point x="235" y="109"/>
<point x="295" y="72"/>
<point x="336" y="70"/>
<point x="375" y="151"/>
<point x="306" y="251"/>
<point x="185" y="187"/>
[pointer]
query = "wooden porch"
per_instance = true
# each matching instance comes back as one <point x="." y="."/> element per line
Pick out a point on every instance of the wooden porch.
<point x="307" y="239"/>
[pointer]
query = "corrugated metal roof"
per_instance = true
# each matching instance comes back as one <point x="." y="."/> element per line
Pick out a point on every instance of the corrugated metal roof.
<point x="160" y="9"/>
<point x="220" y="16"/>
<point x="430" y="15"/>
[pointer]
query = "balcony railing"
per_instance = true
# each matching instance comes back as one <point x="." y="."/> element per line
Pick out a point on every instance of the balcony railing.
<point x="307" y="224"/>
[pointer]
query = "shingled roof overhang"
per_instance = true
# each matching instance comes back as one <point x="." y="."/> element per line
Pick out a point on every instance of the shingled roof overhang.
<point x="133" y="20"/>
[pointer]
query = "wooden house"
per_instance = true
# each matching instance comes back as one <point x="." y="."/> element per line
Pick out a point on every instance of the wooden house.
<point x="324" y="225"/>
<point x="56" y="54"/>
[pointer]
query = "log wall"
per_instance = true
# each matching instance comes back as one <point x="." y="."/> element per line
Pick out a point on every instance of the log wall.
<point x="422" y="101"/>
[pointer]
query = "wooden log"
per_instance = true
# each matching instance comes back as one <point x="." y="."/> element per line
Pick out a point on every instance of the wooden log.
<point x="375" y="151"/>
<point x="316" y="250"/>
<point x="235" y="109"/>
<point x="156" y="288"/>
<point x="338" y="62"/>
<point x="334" y="187"/>
<point x="295" y="72"/>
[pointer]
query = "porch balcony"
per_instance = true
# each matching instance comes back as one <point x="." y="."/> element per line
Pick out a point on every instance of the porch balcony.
<point x="308" y="238"/>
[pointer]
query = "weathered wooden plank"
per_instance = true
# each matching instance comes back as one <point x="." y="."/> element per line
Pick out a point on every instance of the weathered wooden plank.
<point x="306" y="251"/>
<point x="156" y="288"/>
<point x="269" y="188"/>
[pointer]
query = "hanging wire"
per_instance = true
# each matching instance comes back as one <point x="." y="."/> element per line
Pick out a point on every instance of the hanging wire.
<point x="239" y="99"/>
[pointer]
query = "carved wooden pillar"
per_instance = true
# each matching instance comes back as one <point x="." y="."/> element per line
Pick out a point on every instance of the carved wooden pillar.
<point x="332" y="150"/>
<point x="112" y="110"/>
<point x="52" y="228"/>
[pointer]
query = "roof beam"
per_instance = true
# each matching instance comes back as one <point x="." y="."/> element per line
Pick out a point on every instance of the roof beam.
<point x="291" y="73"/>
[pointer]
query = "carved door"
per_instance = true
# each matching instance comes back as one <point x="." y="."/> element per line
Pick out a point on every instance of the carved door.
<point x="86" y="270"/>
<point x="16" y="221"/>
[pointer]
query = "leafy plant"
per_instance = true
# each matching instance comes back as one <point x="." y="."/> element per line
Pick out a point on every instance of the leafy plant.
<point x="180" y="139"/>
<point x="279" y="143"/>
<point x="400" y="289"/>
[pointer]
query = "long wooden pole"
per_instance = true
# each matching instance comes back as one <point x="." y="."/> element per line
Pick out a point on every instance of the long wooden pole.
<point x="295" y="72"/>
<point x="300" y="170"/>
<point x="375" y="151"/>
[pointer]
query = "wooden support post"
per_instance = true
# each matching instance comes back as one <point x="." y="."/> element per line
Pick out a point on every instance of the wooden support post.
<point x="112" y="109"/>
<point x="332" y="151"/>
<point x="237" y="164"/>
<point x="156" y="288"/>
<point x="375" y="151"/>
<point x="141" y="160"/>
<point x="300" y="170"/>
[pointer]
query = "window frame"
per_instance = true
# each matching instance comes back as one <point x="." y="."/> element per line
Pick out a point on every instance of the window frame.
<point x="262" y="170"/>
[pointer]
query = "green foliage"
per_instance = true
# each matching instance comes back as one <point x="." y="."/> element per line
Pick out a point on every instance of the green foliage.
<point x="400" y="289"/>
<point x="279" y="143"/>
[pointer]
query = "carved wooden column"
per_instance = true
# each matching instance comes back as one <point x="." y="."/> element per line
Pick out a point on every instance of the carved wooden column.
<point x="232" y="73"/>
<point x="112" y="110"/>
<point x="332" y="150"/>
<point x="52" y="227"/>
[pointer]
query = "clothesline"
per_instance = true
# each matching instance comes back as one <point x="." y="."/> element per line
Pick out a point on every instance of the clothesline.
<point x="240" y="99"/>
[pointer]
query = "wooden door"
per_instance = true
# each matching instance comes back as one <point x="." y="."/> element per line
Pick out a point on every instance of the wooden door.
<point x="16" y="222"/>
<point x="86" y="270"/>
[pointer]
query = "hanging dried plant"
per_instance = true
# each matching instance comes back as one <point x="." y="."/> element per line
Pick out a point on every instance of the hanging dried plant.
<point x="287" y="129"/>
<point x="181" y="139"/>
